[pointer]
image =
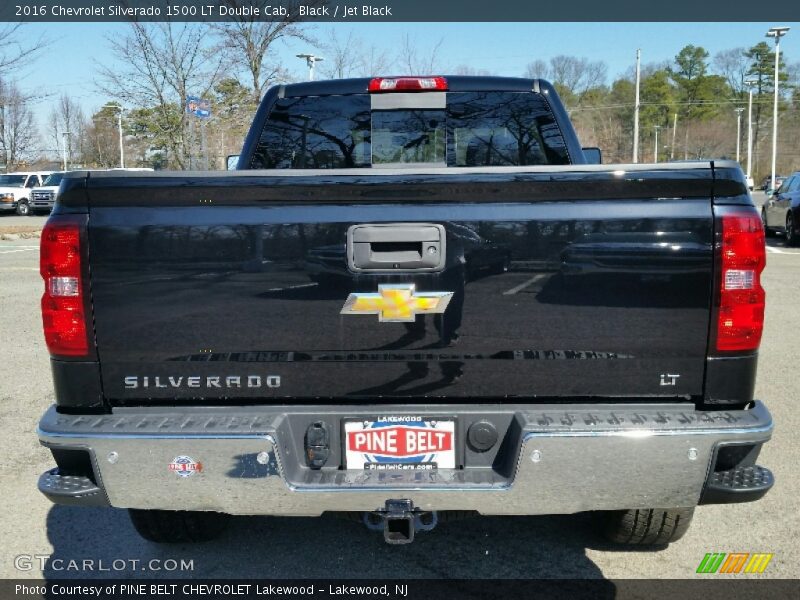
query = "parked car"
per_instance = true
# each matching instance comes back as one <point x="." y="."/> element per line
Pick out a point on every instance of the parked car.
<point x="198" y="373"/>
<point x="15" y="189"/>
<point x="766" y="183"/>
<point x="43" y="198"/>
<point x="781" y="211"/>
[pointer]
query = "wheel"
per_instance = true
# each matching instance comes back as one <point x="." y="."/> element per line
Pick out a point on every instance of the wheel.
<point x="792" y="239"/>
<point x="647" y="526"/>
<point x="767" y="231"/>
<point x="175" y="526"/>
<point x="23" y="208"/>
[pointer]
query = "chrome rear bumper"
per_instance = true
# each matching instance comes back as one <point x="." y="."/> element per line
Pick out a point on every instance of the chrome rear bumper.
<point x="553" y="459"/>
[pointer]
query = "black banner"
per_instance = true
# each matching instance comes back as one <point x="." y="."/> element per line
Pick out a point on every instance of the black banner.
<point x="343" y="11"/>
<point x="711" y="588"/>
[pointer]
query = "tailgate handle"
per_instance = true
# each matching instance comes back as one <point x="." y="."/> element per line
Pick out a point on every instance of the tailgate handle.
<point x="396" y="247"/>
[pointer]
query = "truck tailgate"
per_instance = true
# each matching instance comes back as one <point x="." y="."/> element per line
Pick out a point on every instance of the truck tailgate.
<point x="575" y="282"/>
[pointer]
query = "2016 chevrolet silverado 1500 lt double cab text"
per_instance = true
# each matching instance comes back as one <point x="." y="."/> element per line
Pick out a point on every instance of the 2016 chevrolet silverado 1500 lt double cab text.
<point x="412" y="300"/>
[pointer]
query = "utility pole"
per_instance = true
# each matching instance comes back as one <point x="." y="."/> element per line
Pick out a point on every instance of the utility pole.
<point x="65" y="135"/>
<point x="750" y="83"/>
<point x="655" y="148"/>
<point x="674" y="129"/>
<point x="777" y="33"/>
<point x="738" y="130"/>
<point x="311" y="60"/>
<point x="636" y="108"/>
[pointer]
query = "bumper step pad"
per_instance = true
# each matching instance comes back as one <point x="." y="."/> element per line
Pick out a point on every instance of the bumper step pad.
<point x="742" y="484"/>
<point x="75" y="490"/>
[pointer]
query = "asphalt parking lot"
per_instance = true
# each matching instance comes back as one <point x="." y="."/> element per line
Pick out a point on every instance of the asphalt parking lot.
<point x="47" y="537"/>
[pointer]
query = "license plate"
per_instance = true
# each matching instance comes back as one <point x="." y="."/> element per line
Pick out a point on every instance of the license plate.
<point x="400" y="443"/>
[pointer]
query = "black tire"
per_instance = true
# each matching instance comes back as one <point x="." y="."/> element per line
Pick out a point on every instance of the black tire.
<point x="176" y="526"/>
<point x="767" y="231"/>
<point x="647" y="526"/>
<point x="792" y="239"/>
<point x="23" y="208"/>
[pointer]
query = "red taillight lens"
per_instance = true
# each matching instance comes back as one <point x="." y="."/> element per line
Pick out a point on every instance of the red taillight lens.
<point x="407" y="84"/>
<point x="63" y="312"/>
<point x="741" y="309"/>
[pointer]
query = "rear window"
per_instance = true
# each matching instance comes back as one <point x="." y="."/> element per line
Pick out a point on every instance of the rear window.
<point x="474" y="129"/>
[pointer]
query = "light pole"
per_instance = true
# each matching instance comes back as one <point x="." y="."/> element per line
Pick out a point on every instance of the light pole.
<point x="65" y="135"/>
<point x="777" y="33"/>
<point x="738" y="130"/>
<point x="119" y="127"/>
<point x="636" y="109"/>
<point x="674" y="129"/>
<point x="655" y="148"/>
<point x="311" y="60"/>
<point x="750" y="83"/>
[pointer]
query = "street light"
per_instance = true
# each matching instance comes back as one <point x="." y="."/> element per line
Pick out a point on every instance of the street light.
<point x="655" y="149"/>
<point x="310" y="61"/>
<point x="750" y="83"/>
<point x="738" y="130"/>
<point x="636" y="109"/>
<point x="119" y="126"/>
<point x="777" y="33"/>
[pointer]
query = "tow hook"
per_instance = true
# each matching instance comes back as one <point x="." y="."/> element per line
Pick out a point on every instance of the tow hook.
<point x="399" y="521"/>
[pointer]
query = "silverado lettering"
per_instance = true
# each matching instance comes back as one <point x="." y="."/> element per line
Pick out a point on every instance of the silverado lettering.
<point x="133" y="382"/>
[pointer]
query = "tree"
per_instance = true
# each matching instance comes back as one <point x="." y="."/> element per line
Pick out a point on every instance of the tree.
<point x="537" y="69"/>
<point x="658" y="100"/>
<point x="67" y="118"/>
<point x="733" y="65"/>
<point x="102" y="137"/>
<point x="18" y="49"/>
<point x="19" y="136"/>
<point x="414" y="60"/>
<point x="158" y="66"/>
<point x="473" y="71"/>
<point x="248" y="40"/>
<point x="233" y="109"/>
<point x="695" y="87"/>
<point x="575" y="76"/>
<point x="762" y="72"/>
<point x="347" y="57"/>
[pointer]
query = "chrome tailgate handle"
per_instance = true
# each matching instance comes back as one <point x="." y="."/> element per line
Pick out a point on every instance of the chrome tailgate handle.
<point x="396" y="247"/>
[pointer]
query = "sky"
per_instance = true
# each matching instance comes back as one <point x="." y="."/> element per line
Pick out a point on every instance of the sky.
<point x="69" y="65"/>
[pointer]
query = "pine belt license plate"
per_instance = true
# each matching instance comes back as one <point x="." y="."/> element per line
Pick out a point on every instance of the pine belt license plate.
<point x="400" y="443"/>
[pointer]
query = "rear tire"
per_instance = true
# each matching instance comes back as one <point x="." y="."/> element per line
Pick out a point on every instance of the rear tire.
<point x="647" y="526"/>
<point x="792" y="239"/>
<point x="176" y="526"/>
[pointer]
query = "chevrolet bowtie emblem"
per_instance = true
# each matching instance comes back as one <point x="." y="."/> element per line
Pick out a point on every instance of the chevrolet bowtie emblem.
<point x="396" y="303"/>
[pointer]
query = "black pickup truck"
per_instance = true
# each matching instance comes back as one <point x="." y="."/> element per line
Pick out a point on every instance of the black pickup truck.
<point x="414" y="299"/>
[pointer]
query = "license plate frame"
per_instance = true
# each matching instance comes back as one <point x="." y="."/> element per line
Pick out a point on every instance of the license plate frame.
<point x="441" y="431"/>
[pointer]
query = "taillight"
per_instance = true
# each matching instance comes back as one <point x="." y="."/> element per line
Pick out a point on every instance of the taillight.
<point x="740" y="321"/>
<point x="63" y="307"/>
<point x="407" y="84"/>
